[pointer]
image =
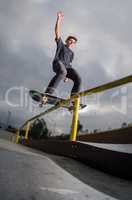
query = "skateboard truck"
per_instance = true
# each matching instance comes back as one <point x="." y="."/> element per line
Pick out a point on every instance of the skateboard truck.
<point x="44" y="100"/>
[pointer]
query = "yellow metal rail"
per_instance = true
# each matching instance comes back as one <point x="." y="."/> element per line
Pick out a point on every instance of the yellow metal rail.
<point x="62" y="103"/>
<point x="103" y="87"/>
<point x="41" y="114"/>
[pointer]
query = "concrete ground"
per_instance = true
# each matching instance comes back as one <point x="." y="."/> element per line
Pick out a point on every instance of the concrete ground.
<point x="27" y="174"/>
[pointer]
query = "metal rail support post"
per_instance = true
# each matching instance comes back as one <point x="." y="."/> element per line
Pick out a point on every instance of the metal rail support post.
<point x="27" y="131"/>
<point x="74" y="127"/>
<point x="17" y="136"/>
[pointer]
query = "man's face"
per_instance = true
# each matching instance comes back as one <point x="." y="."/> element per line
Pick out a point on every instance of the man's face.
<point x="70" y="42"/>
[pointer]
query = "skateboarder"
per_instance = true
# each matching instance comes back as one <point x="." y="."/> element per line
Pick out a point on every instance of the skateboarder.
<point x="62" y="63"/>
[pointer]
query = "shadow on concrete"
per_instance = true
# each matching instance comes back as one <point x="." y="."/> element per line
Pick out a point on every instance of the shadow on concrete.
<point x="110" y="185"/>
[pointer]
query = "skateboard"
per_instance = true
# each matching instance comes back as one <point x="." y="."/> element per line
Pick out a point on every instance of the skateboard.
<point x="51" y="99"/>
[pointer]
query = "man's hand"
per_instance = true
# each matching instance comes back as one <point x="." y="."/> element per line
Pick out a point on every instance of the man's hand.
<point x="60" y="15"/>
<point x="57" y="25"/>
<point x="66" y="80"/>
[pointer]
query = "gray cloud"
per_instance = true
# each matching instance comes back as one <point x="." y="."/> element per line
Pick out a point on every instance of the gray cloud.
<point x="103" y="52"/>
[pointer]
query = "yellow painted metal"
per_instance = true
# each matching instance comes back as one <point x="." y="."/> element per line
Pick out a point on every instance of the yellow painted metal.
<point x="100" y="88"/>
<point x="41" y="114"/>
<point x="104" y="87"/>
<point x="74" y="128"/>
<point x="17" y="136"/>
<point x="27" y="131"/>
<point x="107" y="86"/>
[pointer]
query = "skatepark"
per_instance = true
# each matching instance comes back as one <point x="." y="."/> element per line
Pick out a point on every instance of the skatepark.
<point x="65" y="100"/>
<point x="94" y="168"/>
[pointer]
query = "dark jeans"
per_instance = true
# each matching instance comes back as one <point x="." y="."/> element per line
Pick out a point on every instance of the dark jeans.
<point x="61" y="73"/>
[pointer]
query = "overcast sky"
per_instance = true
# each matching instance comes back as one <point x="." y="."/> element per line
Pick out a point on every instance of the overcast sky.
<point x="103" y="54"/>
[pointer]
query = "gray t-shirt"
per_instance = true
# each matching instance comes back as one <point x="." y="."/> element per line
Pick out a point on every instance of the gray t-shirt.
<point x="63" y="53"/>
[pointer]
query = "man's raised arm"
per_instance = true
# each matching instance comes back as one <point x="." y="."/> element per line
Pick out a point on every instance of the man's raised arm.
<point x="57" y="25"/>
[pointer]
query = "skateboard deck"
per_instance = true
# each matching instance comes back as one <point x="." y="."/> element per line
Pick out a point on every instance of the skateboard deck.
<point x="51" y="99"/>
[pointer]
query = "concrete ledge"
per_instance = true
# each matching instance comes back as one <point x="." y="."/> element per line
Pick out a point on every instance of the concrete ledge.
<point x="117" y="136"/>
<point x="7" y="135"/>
<point x="114" y="162"/>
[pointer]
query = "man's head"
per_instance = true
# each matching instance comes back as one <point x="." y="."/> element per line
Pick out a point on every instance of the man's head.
<point x="70" y="41"/>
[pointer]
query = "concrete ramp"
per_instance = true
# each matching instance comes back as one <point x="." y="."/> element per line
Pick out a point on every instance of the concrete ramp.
<point x="27" y="174"/>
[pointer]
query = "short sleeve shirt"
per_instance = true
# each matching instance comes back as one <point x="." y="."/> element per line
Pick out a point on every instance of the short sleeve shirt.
<point x="63" y="53"/>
